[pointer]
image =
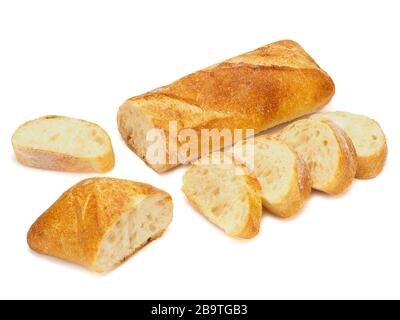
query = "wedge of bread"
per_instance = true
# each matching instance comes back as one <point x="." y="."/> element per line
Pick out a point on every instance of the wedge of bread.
<point x="101" y="222"/>
<point x="368" y="139"/>
<point x="327" y="150"/>
<point x="63" y="144"/>
<point x="284" y="177"/>
<point x="225" y="194"/>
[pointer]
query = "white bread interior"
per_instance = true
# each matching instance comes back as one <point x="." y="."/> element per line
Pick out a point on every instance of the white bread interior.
<point x="225" y="194"/>
<point x="327" y="150"/>
<point x="145" y="222"/>
<point x="62" y="143"/>
<point x="282" y="174"/>
<point x="368" y="139"/>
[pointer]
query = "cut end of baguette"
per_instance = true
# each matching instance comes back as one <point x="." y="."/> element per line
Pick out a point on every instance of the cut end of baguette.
<point x="327" y="150"/>
<point x="63" y="144"/>
<point x="101" y="222"/>
<point x="132" y="231"/>
<point x="225" y="195"/>
<point x="283" y="176"/>
<point x="368" y="139"/>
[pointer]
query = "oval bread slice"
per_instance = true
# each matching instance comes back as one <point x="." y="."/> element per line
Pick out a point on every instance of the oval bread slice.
<point x="284" y="177"/>
<point x="368" y="139"/>
<point x="63" y="144"/>
<point x="100" y="222"/>
<point x="327" y="150"/>
<point x="225" y="194"/>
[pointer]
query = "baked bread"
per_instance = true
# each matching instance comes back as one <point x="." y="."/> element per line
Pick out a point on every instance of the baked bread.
<point x="100" y="222"/>
<point x="225" y="194"/>
<point x="368" y="139"/>
<point x="284" y="177"/>
<point x="257" y="90"/>
<point x="327" y="150"/>
<point x="63" y="144"/>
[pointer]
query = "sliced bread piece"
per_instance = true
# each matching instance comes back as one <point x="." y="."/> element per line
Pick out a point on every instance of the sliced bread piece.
<point x="225" y="194"/>
<point x="63" y="144"/>
<point x="368" y="139"/>
<point x="327" y="150"/>
<point x="284" y="177"/>
<point x="101" y="222"/>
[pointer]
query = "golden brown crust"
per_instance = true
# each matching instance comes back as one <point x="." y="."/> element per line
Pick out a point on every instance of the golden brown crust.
<point x="370" y="167"/>
<point x="74" y="226"/>
<point x="347" y="158"/>
<point x="258" y="90"/>
<point x="252" y="228"/>
<point x="299" y="193"/>
<point x="49" y="160"/>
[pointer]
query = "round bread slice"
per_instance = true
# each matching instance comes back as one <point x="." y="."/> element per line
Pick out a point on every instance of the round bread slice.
<point x="282" y="174"/>
<point x="63" y="144"/>
<point x="327" y="150"/>
<point x="368" y="139"/>
<point x="225" y="194"/>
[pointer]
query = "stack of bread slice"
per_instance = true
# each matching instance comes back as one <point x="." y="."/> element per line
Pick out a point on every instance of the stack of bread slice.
<point x="324" y="152"/>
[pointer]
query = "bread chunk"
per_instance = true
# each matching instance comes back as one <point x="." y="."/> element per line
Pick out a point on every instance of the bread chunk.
<point x="101" y="222"/>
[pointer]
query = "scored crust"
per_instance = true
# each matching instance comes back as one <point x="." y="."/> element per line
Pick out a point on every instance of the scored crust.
<point x="74" y="227"/>
<point x="257" y="90"/>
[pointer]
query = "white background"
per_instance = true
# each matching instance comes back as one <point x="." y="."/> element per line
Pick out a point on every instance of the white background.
<point x="84" y="58"/>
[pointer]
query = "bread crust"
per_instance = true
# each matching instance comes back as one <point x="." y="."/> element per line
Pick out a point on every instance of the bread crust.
<point x="74" y="226"/>
<point x="257" y="90"/>
<point x="57" y="161"/>
<point x="299" y="193"/>
<point x="347" y="158"/>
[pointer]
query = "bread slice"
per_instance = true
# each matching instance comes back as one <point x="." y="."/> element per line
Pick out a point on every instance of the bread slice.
<point x="101" y="222"/>
<point x="368" y="139"/>
<point x="225" y="194"/>
<point x="282" y="174"/>
<point x="63" y="144"/>
<point x="327" y="150"/>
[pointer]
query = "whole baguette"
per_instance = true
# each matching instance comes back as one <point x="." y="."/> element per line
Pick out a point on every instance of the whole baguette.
<point x="257" y="90"/>
<point x="77" y="226"/>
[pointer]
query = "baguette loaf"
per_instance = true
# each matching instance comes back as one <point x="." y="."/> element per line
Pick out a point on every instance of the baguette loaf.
<point x="225" y="194"/>
<point x="284" y="177"/>
<point x="257" y="90"/>
<point x="368" y="139"/>
<point x="327" y="150"/>
<point x="63" y="144"/>
<point x="101" y="222"/>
